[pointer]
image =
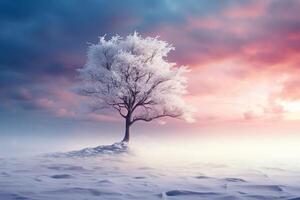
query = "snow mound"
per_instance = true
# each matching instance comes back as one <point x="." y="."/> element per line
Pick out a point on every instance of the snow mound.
<point x="116" y="148"/>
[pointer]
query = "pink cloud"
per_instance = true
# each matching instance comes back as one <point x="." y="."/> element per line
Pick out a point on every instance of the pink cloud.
<point x="251" y="10"/>
<point x="249" y="115"/>
<point x="25" y="93"/>
<point x="101" y="117"/>
<point x="203" y="23"/>
<point x="45" y="103"/>
<point x="291" y="89"/>
<point x="62" y="112"/>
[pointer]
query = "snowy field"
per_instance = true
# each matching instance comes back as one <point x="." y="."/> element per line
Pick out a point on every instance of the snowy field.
<point x="78" y="175"/>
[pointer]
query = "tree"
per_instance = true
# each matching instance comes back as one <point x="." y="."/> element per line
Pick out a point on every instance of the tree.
<point x="132" y="76"/>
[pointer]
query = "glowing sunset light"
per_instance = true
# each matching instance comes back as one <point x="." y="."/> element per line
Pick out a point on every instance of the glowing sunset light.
<point x="292" y="110"/>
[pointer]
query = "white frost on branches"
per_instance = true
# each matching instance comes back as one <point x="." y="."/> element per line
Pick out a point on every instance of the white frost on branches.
<point x="132" y="75"/>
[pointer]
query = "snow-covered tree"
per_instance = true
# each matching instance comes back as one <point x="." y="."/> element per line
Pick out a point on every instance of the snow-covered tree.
<point x="133" y="76"/>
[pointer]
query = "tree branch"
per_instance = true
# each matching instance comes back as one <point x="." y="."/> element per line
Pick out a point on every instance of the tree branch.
<point x="154" y="117"/>
<point x="118" y="108"/>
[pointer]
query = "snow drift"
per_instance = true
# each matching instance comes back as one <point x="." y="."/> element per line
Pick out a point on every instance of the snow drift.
<point x="108" y="172"/>
<point x="116" y="148"/>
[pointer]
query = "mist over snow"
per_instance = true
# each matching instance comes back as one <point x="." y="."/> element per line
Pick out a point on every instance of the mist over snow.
<point x="206" y="168"/>
<point x="170" y="170"/>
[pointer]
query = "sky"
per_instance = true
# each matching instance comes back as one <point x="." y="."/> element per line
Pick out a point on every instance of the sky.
<point x="243" y="55"/>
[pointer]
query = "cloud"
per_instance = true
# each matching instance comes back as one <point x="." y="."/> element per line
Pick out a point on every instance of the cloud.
<point x="252" y="9"/>
<point x="290" y="90"/>
<point x="242" y="54"/>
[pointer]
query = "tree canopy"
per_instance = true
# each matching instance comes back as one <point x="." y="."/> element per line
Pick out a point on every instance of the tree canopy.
<point x="133" y="76"/>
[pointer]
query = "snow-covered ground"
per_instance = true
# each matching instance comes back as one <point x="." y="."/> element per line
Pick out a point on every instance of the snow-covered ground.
<point x="102" y="174"/>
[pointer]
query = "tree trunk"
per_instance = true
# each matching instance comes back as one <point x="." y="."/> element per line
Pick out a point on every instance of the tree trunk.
<point x="127" y="126"/>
